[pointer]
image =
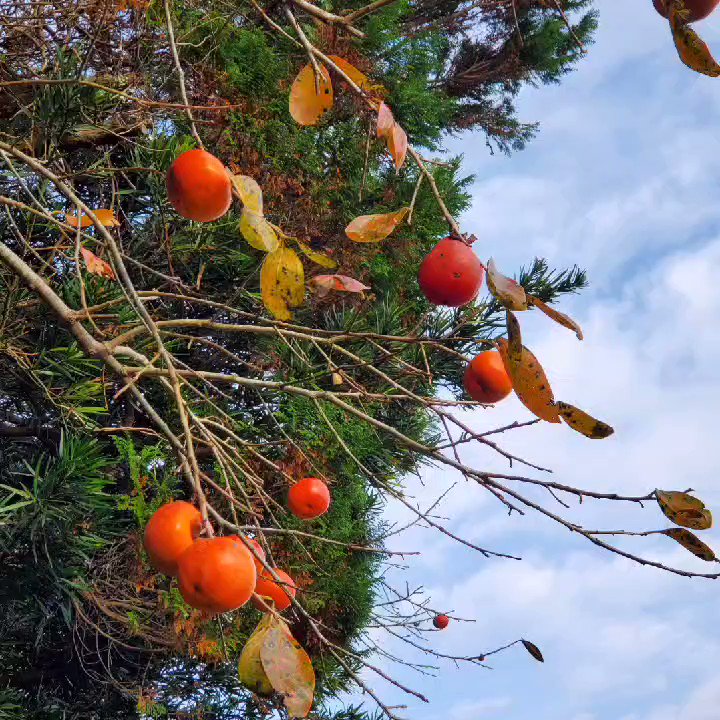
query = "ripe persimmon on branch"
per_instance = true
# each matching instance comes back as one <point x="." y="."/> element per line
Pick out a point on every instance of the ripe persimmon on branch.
<point x="238" y="346"/>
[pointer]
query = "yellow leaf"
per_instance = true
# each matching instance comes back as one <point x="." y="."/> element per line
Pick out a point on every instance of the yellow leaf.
<point x="250" y="193"/>
<point x="374" y="228"/>
<point x="691" y="542"/>
<point x="96" y="265"/>
<point x="515" y="345"/>
<point x="507" y="292"/>
<point x="258" y="232"/>
<point x="583" y="423"/>
<point x="282" y="282"/>
<point x="684" y="510"/>
<point x="308" y="101"/>
<point x="361" y="80"/>
<point x="317" y="257"/>
<point x="529" y="382"/>
<point x="397" y="144"/>
<point x="289" y="668"/>
<point x="250" y="669"/>
<point x="106" y="218"/>
<point x="558" y="317"/>
<point x="691" y="48"/>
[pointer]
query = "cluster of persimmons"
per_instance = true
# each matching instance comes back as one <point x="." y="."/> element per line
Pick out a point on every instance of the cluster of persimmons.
<point x="220" y="574"/>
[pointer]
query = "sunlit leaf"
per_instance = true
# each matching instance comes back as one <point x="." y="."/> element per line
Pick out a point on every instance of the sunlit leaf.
<point x="374" y="228"/>
<point x="583" y="423"/>
<point x="506" y="291"/>
<point x="97" y="265"/>
<point x="684" y="510"/>
<point x="534" y="650"/>
<point x="325" y="283"/>
<point x="282" y="282"/>
<point x="558" y="317"/>
<point x="308" y="101"/>
<point x="691" y="542"/>
<point x="397" y="143"/>
<point x="515" y="345"/>
<point x="250" y="193"/>
<point x="317" y="257"/>
<point x="385" y="121"/>
<point x="692" y="50"/>
<point x="258" y="232"/>
<point x="361" y="80"/>
<point x="289" y="668"/>
<point x="250" y="668"/>
<point x="106" y="218"/>
<point x="529" y="382"/>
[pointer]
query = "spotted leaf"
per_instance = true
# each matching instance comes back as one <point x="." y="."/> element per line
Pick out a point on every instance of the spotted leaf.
<point x="693" y="51"/>
<point x="317" y="257"/>
<point x="530" y="383"/>
<point x="583" y="423"/>
<point x="691" y="542"/>
<point x="258" y="232"/>
<point x="282" y="282"/>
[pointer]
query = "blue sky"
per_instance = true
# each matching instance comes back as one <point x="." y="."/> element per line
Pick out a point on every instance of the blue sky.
<point x="622" y="180"/>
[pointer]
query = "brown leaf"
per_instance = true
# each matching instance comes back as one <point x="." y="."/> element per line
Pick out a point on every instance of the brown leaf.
<point x="308" y="102"/>
<point x="96" y="265"/>
<point x="374" y="228"/>
<point x="534" y="650"/>
<point x="506" y="291"/>
<point x="583" y="423"/>
<point x="325" y="283"/>
<point x="692" y="50"/>
<point x="282" y="282"/>
<point x="684" y="510"/>
<point x="530" y="383"/>
<point x="691" y="542"/>
<point x="288" y="668"/>
<point x="106" y="218"/>
<point x="397" y="143"/>
<point x="558" y="317"/>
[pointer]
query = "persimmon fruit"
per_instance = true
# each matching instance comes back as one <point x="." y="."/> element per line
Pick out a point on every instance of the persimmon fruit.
<point x="199" y="187"/>
<point x="259" y="550"/>
<point x="280" y="593"/>
<point x="309" y="498"/>
<point x="451" y="274"/>
<point x="697" y="9"/>
<point x="486" y="379"/>
<point x="170" y="532"/>
<point x="441" y="621"/>
<point x="217" y="574"/>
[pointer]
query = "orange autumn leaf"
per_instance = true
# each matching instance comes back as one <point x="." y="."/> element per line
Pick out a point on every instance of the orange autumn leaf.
<point x="397" y="143"/>
<point x="374" y="228"/>
<point x="506" y="291"/>
<point x="385" y="121"/>
<point x="106" y="218"/>
<point x="530" y="383"/>
<point x="583" y="423"/>
<point x="693" y="51"/>
<point x="309" y="100"/>
<point x="557" y="316"/>
<point x="360" y="79"/>
<point x="96" y="265"/>
<point x="325" y="283"/>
